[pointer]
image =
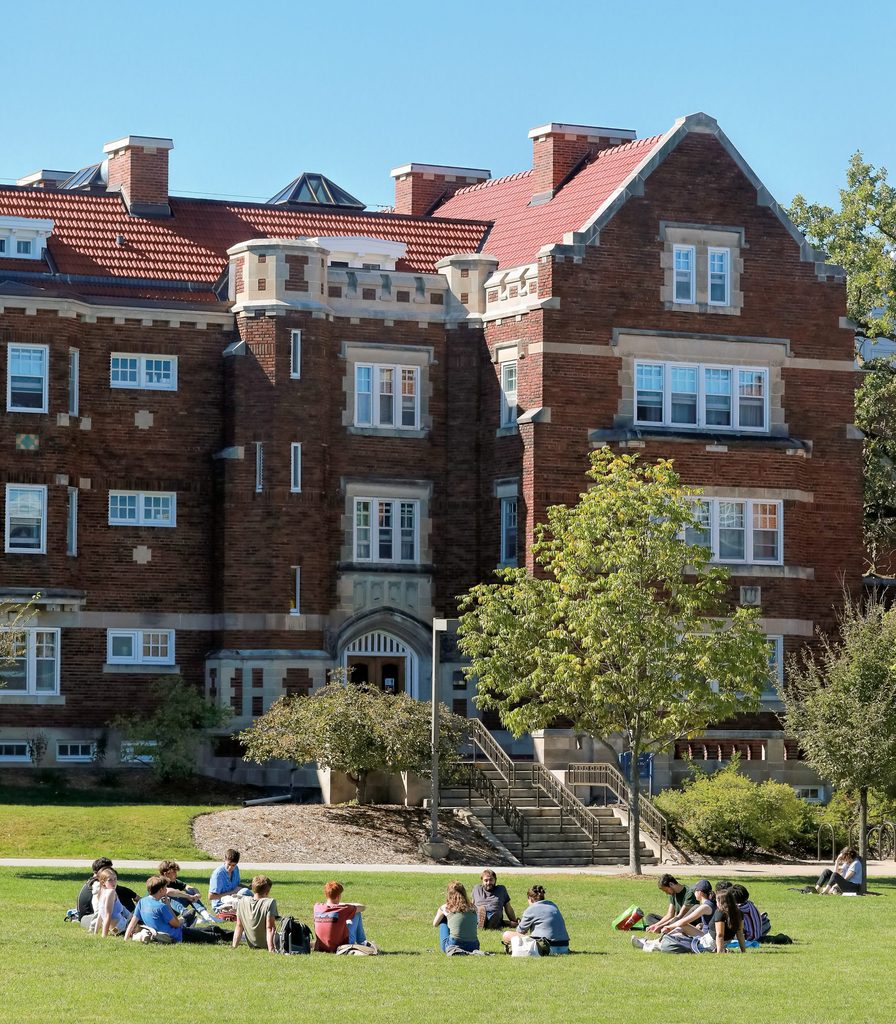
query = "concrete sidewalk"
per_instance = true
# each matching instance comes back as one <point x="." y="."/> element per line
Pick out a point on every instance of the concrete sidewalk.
<point x="807" y="869"/>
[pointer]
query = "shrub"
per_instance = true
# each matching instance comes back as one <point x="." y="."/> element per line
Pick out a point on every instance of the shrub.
<point x="725" y="813"/>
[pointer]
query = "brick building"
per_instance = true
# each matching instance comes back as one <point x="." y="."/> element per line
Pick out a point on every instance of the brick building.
<point x="249" y="442"/>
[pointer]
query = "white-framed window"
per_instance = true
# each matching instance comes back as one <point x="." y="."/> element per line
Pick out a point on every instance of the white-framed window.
<point x="739" y="530"/>
<point x="24" y="247"/>
<point x="259" y="467"/>
<point x="295" y="466"/>
<point x="811" y="794"/>
<point x="140" y="646"/>
<point x="776" y="667"/>
<point x="719" y="271"/>
<point x="509" y="507"/>
<point x="701" y="395"/>
<point x="26" y="519"/>
<point x="14" y="751"/>
<point x="142" y="508"/>
<point x="74" y="386"/>
<point x="138" y="751"/>
<point x="295" y="354"/>
<point x="387" y="396"/>
<point x="34" y="668"/>
<point x="385" y="530"/>
<point x="71" y="523"/>
<point x="508" y="393"/>
<point x="77" y="750"/>
<point x="27" y="378"/>
<point x="152" y="372"/>
<point x="685" y="262"/>
<point x="296" y="605"/>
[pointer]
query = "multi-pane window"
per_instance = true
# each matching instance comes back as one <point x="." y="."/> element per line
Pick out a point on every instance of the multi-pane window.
<point x="24" y="247"/>
<point x="157" y="373"/>
<point x="295" y="354"/>
<point x="82" y="750"/>
<point x="15" y="751"/>
<point x="385" y="530"/>
<point x="508" y="531"/>
<point x="34" y="664"/>
<point x="142" y="508"/>
<point x="296" y="604"/>
<point x="739" y="530"/>
<point x="699" y="395"/>
<point x="295" y="467"/>
<point x="74" y="397"/>
<point x="387" y="396"/>
<point x="775" y="667"/>
<point x="140" y="646"/>
<point x="259" y="467"/>
<point x="685" y="260"/>
<point x="26" y="518"/>
<point x="508" y="393"/>
<point x="26" y="378"/>
<point x="719" y="276"/>
<point x="71" y="522"/>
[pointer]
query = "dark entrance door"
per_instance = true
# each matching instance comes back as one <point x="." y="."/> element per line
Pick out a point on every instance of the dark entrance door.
<point x="386" y="673"/>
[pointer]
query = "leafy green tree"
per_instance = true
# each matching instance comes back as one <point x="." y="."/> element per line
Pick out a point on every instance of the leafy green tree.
<point x="172" y="732"/>
<point x="861" y="238"/>
<point x="353" y="729"/>
<point x="624" y="629"/>
<point x="876" y="416"/>
<point x="841" y="704"/>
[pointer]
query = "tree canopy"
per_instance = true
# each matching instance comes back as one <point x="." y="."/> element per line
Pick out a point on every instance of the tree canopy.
<point x="841" y="703"/>
<point x="626" y="626"/>
<point x="353" y="729"/>
<point x="876" y="416"/>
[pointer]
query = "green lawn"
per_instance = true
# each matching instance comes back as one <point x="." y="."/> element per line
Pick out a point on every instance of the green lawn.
<point x="133" y="831"/>
<point x="838" y="970"/>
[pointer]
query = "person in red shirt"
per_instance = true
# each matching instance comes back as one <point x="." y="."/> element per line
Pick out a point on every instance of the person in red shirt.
<point x="336" y="923"/>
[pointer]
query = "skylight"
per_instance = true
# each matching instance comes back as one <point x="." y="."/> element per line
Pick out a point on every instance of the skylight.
<point x="316" y="190"/>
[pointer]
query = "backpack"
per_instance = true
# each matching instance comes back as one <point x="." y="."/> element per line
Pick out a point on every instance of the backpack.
<point x="293" y="937"/>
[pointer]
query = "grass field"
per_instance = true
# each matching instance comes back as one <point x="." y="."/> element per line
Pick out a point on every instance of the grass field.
<point x="33" y="825"/>
<point x="840" y="968"/>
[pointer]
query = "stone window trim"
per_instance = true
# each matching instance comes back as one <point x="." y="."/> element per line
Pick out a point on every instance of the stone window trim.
<point x="507" y="487"/>
<point x="37" y="647"/>
<point x="149" y="647"/>
<point x="381" y="354"/>
<point x="702" y="240"/>
<point x="400" y="532"/>
<point x="750" y="519"/>
<point x="397" y="491"/>
<point x="508" y="351"/>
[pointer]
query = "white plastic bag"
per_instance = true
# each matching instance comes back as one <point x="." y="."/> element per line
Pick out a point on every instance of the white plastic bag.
<point x="523" y="945"/>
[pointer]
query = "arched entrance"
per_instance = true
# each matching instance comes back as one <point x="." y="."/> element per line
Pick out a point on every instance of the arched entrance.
<point x="381" y="659"/>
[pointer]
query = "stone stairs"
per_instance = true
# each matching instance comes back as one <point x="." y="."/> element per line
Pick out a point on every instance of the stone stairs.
<point x="553" y="838"/>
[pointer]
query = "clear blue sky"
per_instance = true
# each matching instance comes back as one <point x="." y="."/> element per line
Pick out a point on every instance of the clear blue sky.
<point x="255" y="92"/>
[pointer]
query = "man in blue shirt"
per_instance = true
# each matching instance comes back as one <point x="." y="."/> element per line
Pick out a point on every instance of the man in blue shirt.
<point x="155" y="911"/>
<point x="225" y="880"/>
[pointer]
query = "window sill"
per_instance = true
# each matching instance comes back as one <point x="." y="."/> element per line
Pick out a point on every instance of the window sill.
<point x="703" y="307"/>
<point x="142" y="669"/>
<point x="388" y="432"/>
<point x="386" y="567"/>
<point x="31" y="698"/>
<point x="507" y="431"/>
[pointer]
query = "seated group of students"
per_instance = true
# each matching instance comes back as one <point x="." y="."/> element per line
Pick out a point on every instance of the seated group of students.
<point x="700" y="920"/>
<point x="171" y="908"/>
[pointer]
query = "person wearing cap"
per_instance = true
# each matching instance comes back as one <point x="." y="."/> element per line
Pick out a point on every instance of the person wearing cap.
<point x="693" y="921"/>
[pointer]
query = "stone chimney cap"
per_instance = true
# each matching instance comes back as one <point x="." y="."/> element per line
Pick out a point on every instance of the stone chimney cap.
<point x="44" y="175"/>
<point x="582" y="129"/>
<point x="457" y="172"/>
<point x="146" y="141"/>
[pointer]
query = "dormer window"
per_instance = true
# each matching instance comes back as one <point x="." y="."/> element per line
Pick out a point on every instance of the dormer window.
<point x="24" y="238"/>
<point x="356" y="252"/>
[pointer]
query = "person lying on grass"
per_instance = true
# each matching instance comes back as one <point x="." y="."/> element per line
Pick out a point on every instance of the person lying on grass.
<point x="681" y="898"/>
<point x="543" y="921"/>
<point x="456" y="920"/>
<point x="256" y="919"/>
<point x="155" y="911"/>
<point x="725" y="925"/>
<point x="336" y="923"/>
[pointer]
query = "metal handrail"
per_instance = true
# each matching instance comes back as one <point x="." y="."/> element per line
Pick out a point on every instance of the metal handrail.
<point x="500" y="803"/>
<point x="568" y="803"/>
<point x="608" y="776"/>
<point x="500" y="760"/>
<point x="821" y="828"/>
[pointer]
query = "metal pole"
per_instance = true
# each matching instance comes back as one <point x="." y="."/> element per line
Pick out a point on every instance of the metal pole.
<point x="438" y="626"/>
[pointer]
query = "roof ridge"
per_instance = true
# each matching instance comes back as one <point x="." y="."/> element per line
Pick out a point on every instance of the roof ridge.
<point x="489" y="182"/>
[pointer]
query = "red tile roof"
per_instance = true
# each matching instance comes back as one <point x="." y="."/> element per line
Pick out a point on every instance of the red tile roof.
<point x="192" y="244"/>
<point x="521" y="230"/>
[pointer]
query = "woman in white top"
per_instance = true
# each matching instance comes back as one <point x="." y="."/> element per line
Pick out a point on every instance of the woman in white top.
<point x="111" y="917"/>
<point x="845" y="876"/>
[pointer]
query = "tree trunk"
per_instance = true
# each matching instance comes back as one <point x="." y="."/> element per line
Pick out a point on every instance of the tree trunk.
<point x="360" y="781"/>
<point x="863" y="835"/>
<point x="634" y="812"/>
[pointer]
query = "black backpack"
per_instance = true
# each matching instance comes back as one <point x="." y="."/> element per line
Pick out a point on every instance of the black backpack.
<point x="293" y="936"/>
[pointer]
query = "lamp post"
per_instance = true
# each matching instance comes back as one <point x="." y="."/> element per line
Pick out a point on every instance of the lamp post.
<point x="435" y="848"/>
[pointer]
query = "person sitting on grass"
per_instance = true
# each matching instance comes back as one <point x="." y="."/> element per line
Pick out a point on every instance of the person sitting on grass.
<point x="184" y="897"/>
<point x="110" y="916"/>
<point x="844" y="876"/>
<point x="336" y="923"/>
<point x="155" y="911"/>
<point x="127" y="896"/>
<point x="754" y="926"/>
<point x="492" y="902"/>
<point x="725" y="925"/>
<point x="543" y="921"/>
<point x="680" y="898"/>
<point x="256" y="919"/>
<point x="456" y="920"/>
<point x="693" y="921"/>
<point x="225" y="880"/>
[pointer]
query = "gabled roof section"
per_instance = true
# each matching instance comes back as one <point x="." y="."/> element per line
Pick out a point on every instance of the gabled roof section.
<point x="316" y="190"/>
<point x="590" y="199"/>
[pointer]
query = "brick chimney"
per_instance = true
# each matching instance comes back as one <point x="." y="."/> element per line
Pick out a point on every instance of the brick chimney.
<point x="557" y="148"/>
<point x="138" y="168"/>
<point x="419" y="187"/>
